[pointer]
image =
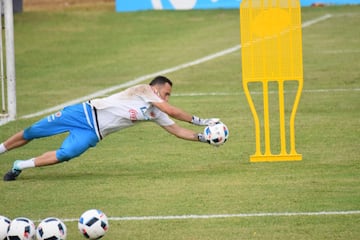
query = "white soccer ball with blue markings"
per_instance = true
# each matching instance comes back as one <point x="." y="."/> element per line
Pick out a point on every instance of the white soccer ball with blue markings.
<point x="93" y="224"/>
<point x="4" y="225"/>
<point x="216" y="133"/>
<point x="21" y="229"/>
<point x="51" y="229"/>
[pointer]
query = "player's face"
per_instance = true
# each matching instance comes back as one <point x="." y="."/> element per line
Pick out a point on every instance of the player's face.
<point x="164" y="91"/>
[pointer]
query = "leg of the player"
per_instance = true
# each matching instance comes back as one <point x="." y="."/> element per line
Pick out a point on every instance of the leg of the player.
<point x="48" y="158"/>
<point x="81" y="137"/>
<point x="15" y="141"/>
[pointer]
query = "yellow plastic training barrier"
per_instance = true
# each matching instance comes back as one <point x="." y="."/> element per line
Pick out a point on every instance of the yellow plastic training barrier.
<point x="271" y="43"/>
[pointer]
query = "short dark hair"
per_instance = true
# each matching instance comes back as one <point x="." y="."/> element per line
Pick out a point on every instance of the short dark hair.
<point x="160" y="80"/>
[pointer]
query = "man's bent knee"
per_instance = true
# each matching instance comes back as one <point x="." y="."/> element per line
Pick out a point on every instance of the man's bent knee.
<point x="65" y="155"/>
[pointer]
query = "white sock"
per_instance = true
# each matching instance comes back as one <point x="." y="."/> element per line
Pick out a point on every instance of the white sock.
<point x="25" y="164"/>
<point x="2" y="148"/>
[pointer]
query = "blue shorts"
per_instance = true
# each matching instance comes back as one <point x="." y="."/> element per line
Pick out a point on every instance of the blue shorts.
<point x="77" y="120"/>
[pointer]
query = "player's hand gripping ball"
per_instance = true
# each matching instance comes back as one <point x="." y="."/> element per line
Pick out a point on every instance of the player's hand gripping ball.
<point x="216" y="133"/>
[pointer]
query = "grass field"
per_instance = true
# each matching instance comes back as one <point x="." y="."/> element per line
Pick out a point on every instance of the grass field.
<point x="143" y="171"/>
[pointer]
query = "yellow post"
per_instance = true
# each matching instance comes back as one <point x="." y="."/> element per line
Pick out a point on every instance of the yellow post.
<point x="271" y="43"/>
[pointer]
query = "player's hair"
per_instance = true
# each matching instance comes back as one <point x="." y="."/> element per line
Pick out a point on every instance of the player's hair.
<point x="161" y="80"/>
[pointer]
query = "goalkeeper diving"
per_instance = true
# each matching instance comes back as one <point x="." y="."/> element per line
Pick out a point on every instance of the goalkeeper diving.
<point x="89" y="122"/>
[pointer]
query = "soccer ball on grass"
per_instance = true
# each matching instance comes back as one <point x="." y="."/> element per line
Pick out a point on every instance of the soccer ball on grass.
<point x="21" y="229"/>
<point x="51" y="229"/>
<point x="4" y="225"/>
<point x="216" y="133"/>
<point x="93" y="224"/>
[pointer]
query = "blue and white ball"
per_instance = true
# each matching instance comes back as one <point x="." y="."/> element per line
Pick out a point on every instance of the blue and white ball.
<point x="4" y="225"/>
<point x="51" y="229"/>
<point x="216" y="133"/>
<point x="93" y="224"/>
<point x="21" y="228"/>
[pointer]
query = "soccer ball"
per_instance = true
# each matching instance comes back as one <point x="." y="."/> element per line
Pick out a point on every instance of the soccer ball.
<point x="93" y="224"/>
<point x="216" y="133"/>
<point x="51" y="229"/>
<point x="4" y="225"/>
<point x="21" y="229"/>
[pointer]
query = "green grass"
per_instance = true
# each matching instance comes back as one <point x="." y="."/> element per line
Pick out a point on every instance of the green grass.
<point x="143" y="171"/>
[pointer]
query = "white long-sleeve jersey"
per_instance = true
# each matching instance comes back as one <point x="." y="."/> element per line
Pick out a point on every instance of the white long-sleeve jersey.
<point x="124" y="109"/>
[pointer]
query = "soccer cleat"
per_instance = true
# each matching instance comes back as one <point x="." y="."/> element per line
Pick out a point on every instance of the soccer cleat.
<point x="13" y="173"/>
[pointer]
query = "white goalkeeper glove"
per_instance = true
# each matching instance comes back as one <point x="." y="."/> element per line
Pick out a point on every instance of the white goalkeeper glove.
<point x="202" y="138"/>
<point x="204" y="122"/>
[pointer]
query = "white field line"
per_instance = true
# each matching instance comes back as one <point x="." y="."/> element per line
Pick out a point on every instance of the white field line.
<point x="316" y="20"/>
<point x="152" y="75"/>
<point x="214" y="216"/>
